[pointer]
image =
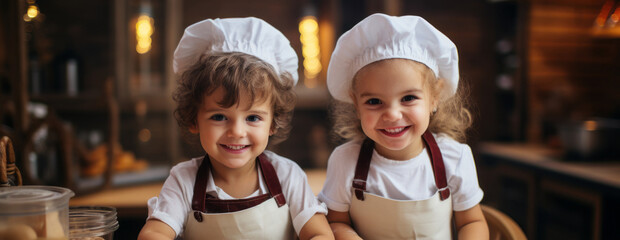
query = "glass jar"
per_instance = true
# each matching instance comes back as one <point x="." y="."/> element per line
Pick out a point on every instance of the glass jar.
<point x="92" y="222"/>
<point x="34" y="212"/>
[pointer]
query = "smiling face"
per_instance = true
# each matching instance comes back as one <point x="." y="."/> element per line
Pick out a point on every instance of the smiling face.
<point x="233" y="136"/>
<point x="394" y="103"/>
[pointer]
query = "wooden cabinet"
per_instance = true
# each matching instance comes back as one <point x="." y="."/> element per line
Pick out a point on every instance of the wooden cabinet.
<point x="548" y="197"/>
<point x="566" y="212"/>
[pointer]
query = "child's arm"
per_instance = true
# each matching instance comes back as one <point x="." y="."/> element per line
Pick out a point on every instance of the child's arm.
<point x="340" y="222"/>
<point x="316" y="228"/>
<point x="156" y="230"/>
<point x="471" y="224"/>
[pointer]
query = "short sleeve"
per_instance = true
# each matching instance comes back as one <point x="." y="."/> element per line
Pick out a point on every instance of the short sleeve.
<point x="336" y="192"/>
<point x="173" y="203"/>
<point x="462" y="176"/>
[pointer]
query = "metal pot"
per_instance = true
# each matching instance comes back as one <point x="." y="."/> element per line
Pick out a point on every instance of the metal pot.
<point x="592" y="139"/>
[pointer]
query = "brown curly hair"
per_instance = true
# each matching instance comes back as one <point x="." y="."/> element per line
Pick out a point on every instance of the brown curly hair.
<point x="235" y="72"/>
<point x="452" y="117"/>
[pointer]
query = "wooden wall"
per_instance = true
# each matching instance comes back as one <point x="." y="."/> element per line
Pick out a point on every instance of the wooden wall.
<point x="571" y="73"/>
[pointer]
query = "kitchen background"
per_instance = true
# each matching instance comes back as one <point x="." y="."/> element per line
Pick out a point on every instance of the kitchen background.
<point x="79" y="76"/>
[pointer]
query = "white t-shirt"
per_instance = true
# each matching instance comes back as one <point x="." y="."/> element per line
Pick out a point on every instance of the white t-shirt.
<point x="174" y="202"/>
<point x="411" y="179"/>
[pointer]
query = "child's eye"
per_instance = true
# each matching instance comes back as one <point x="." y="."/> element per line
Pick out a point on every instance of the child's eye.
<point x="253" y="118"/>
<point x="218" y="117"/>
<point x="408" y="98"/>
<point x="373" y="101"/>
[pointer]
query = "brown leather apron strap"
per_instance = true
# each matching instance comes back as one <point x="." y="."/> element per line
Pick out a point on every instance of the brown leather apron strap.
<point x="200" y="185"/>
<point x="203" y="203"/>
<point x="362" y="167"/>
<point x="272" y="180"/>
<point x="439" y="169"/>
<point x="214" y="205"/>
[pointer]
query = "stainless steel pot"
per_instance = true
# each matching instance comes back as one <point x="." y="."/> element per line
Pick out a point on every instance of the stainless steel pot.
<point x="598" y="138"/>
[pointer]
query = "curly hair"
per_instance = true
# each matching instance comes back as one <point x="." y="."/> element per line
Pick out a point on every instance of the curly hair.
<point x="235" y="72"/>
<point x="451" y="118"/>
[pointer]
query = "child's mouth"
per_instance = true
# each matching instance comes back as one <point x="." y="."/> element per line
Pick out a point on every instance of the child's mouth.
<point x="395" y="132"/>
<point x="234" y="147"/>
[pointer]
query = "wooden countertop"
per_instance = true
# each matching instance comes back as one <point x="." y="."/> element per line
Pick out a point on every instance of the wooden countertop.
<point x="605" y="173"/>
<point x="132" y="199"/>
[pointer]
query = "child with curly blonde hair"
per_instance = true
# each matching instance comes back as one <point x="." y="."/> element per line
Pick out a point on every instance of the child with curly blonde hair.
<point x="404" y="172"/>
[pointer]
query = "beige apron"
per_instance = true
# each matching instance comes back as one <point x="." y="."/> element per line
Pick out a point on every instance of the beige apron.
<point x="376" y="217"/>
<point x="262" y="217"/>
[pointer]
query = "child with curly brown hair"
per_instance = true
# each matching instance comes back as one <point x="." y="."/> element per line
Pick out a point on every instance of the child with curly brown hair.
<point x="404" y="173"/>
<point x="236" y="94"/>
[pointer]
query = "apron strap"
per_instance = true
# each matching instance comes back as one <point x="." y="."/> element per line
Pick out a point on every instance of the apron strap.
<point x="272" y="180"/>
<point x="214" y="205"/>
<point x="269" y="175"/>
<point x="439" y="169"/>
<point x="363" y="166"/>
<point x="200" y="185"/>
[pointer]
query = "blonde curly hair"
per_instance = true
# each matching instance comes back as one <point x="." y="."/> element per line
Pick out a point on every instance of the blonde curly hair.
<point x="451" y="118"/>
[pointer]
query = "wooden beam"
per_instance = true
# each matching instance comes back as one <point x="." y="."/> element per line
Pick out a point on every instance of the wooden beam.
<point x="16" y="56"/>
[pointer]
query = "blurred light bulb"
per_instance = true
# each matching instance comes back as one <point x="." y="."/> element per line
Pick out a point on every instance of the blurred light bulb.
<point x="144" y="30"/>
<point x="308" y="25"/>
<point x="33" y="11"/>
<point x="309" y="30"/>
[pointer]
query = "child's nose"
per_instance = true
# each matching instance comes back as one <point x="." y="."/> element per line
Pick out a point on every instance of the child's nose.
<point x="392" y="113"/>
<point x="237" y="129"/>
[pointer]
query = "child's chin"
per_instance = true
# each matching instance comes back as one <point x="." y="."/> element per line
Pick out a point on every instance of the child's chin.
<point x="236" y="164"/>
<point x="395" y="145"/>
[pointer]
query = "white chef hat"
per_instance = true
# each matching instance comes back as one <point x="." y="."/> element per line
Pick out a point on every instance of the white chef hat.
<point x="247" y="35"/>
<point x="380" y="37"/>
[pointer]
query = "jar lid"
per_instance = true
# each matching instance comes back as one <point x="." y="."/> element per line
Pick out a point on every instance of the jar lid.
<point x="28" y="200"/>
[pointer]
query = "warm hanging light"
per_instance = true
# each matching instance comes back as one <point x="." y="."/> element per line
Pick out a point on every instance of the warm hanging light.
<point x="309" y="30"/>
<point x="144" y="30"/>
<point x="32" y="12"/>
